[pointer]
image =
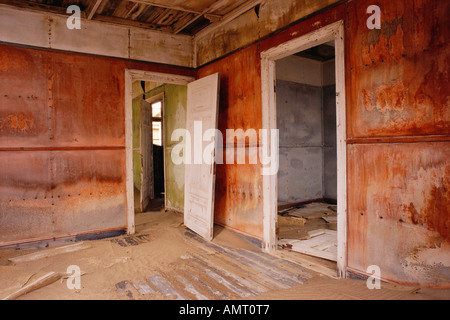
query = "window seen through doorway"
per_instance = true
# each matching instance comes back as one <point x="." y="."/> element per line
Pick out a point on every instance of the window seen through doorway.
<point x="157" y="123"/>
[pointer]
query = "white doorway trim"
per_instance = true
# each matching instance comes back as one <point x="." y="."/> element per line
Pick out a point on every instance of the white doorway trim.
<point x="332" y="32"/>
<point x="130" y="76"/>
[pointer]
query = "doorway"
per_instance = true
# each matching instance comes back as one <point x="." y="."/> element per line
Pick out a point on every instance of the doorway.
<point x="305" y="148"/>
<point x="307" y="179"/>
<point x="152" y="89"/>
<point x="148" y="145"/>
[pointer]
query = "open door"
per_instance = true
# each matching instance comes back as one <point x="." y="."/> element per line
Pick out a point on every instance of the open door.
<point x="202" y="115"/>
<point x="147" y="187"/>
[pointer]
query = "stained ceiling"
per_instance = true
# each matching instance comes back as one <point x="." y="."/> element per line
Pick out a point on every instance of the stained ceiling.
<point x="171" y="16"/>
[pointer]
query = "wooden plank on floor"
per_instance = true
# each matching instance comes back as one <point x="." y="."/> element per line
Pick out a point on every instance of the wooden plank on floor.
<point x="298" y="247"/>
<point x="280" y="278"/>
<point x="248" y="284"/>
<point x="49" y="253"/>
<point x="214" y="291"/>
<point x="143" y="288"/>
<point x="256" y="276"/>
<point x="306" y="262"/>
<point x="163" y="286"/>
<point x="218" y="278"/>
<point x="43" y="281"/>
<point x="188" y="287"/>
<point x="299" y="276"/>
<point x="322" y="244"/>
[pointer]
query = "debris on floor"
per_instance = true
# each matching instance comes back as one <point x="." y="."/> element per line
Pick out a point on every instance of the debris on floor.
<point x="131" y="240"/>
<point x="298" y="224"/>
<point x="296" y="220"/>
<point x="322" y="243"/>
<point x="171" y="262"/>
<point x="218" y="273"/>
<point x="49" y="252"/>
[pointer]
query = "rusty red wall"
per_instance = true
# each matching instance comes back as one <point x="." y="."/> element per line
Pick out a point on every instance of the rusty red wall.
<point x="62" y="145"/>
<point x="398" y="118"/>
<point x="238" y="196"/>
<point x="398" y="109"/>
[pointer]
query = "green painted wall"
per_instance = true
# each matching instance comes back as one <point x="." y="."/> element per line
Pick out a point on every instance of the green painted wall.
<point x="174" y="118"/>
<point x="175" y="98"/>
<point x="136" y="142"/>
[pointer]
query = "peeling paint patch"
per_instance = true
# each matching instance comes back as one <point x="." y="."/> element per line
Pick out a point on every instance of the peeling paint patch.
<point x="398" y="212"/>
<point x="17" y="122"/>
<point x="399" y="83"/>
<point x="429" y="264"/>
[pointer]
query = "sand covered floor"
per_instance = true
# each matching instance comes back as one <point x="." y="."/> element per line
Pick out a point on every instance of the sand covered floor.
<point x="163" y="260"/>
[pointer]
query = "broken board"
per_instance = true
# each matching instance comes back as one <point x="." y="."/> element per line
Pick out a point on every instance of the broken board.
<point x="322" y="243"/>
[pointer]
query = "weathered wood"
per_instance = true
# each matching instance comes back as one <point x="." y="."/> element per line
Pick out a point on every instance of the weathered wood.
<point x="162" y="285"/>
<point x="39" y="6"/>
<point x="93" y="6"/>
<point x="167" y="6"/>
<point x="304" y="262"/>
<point x="202" y="106"/>
<point x="43" y="281"/>
<point x="229" y="17"/>
<point x="322" y="244"/>
<point x="49" y="253"/>
<point x="129" y="22"/>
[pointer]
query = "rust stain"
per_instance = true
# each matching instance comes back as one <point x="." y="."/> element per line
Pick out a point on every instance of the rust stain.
<point x="399" y="82"/>
<point x="17" y="121"/>
<point x="438" y="208"/>
<point x="62" y="128"/>
<point x="399" y="204"/>
<point x="238" y="197"/>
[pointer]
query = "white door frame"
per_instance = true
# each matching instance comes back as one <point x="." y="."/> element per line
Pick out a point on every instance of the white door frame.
<point x="132" y="75"/>
<point x="334" y="31"/>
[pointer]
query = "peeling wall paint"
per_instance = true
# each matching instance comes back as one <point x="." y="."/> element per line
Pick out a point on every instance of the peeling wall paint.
<point x="399" y="211"/>
<point x="174" y="118"/>
<point x="398" y="136"/>
<point x="398" y="129"/>
<point x="399" y="82"/>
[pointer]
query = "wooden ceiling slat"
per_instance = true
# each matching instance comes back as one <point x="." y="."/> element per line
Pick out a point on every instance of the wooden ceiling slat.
<point x="92" y="9"/>
<point x="38" y="6"/>
<point x="133" y="23"/>
<point x="154" y="4"/>
<point x="143" y="13"/>
<point x="123" y="8"/>
<point x="134" y="13"/>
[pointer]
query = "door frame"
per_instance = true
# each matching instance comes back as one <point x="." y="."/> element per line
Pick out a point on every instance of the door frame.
<point x="132" y="75"/>
<point x="332" y="32"/>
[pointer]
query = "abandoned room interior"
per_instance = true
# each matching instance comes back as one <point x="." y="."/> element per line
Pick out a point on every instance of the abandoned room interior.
<point x="224" y="149"/>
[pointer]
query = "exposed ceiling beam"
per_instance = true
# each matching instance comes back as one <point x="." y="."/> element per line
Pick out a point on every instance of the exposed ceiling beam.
<point x="229" y="17"/>
<point x="133" y="23"/>
<point x="92" y="9"/>
<point x="133" y="13"/>
<point x="188" y="23"/>
<point x="166" y="6"/>
<point x="206" y="13"/>
<point x="38" y="6"/>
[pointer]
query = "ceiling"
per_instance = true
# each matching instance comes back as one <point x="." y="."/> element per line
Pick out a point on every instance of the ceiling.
<point x="171" y="16"/>
<point x="324" y="52"/>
